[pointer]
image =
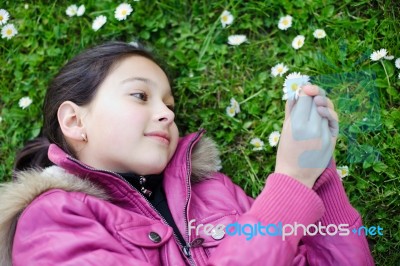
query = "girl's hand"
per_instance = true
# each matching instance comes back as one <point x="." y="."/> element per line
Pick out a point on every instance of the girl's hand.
<point x="325" y="107"/>
<point x="308" y="136"/>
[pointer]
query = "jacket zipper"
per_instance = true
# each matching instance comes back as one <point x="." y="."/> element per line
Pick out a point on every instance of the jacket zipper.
<point x="185" y="249"/>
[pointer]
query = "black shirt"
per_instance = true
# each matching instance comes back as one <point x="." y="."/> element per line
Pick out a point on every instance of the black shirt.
<point x="150" y="186"/>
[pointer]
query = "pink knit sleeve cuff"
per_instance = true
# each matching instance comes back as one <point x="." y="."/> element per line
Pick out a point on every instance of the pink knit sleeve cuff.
<point x="286" y="200"/>
<point x="325" y="176"/>
<point x="331" y="191"/>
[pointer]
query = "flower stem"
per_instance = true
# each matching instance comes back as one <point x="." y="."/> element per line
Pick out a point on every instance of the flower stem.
<point x="387" y="77"/>
<point x="252" y="173"/>
<point x="252" y="96"/>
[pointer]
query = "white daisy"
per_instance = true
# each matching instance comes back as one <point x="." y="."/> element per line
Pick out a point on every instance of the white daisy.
<point x="319" y="34"/>
<point x="24" y="102"/>
<point x="342" y="171"/>
<point x="279" y="69"/>
<point x="4" y="16"/>
<point x="389" y="57"/>
<point x="236" y="39"/>
<point x="226" y="18"/>
<point x="80" y="11"/>
<point x="230" y="111"/>
<point x="257" y="143"/>
<point x="274" y="138"/>
<point x="298" y="42"/>
<point x="378" y="55"/>
<point x="72" y="10"/>
<point x="99" y="22"/>
<point x="398" y="76"/>
<point x="397" y="63"/>
<point x="294" y="75"/>
<point x="235" y="105"/>
<point x="26" y="6"/>
<point x="292" y="85"/>
<point x="8" y="31"/>
<point x="134" y="44"/>
<point x="285" y="22"/>
<point x="123" y="11"/>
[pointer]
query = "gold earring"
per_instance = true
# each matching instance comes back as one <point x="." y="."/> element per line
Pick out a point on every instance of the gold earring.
<point x="84" y="137"/>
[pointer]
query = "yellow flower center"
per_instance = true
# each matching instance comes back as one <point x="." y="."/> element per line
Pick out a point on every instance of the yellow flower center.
<point x="299" y="42"/>
<point x="124" y="12"/>
<point x="257" y="144"/>
<point x="9" y="32"/>
<point x="1" y="18"/>
<point x="294" y="87"/>
<point x="280" y="69"/>
<point x="276" y="139"/>
<point x="285" y="22"/>
<point x="224" y="18"/>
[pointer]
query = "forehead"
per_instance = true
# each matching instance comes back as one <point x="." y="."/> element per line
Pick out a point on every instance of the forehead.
<point x="142" y="68"/>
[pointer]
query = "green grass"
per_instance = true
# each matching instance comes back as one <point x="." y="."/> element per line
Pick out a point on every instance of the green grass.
<point x="209" y="72"/>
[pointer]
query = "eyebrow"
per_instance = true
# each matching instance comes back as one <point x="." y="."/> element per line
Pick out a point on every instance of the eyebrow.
<point x="145" y="80"/>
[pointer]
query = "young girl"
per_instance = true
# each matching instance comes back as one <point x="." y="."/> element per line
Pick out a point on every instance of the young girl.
<point x="109" y="181"/>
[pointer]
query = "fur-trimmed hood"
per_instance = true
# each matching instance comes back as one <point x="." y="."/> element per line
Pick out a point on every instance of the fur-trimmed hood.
<point x="16" y="196"/>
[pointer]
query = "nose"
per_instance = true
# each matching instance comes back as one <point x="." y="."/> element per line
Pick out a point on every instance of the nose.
<point x="165" y="115"/>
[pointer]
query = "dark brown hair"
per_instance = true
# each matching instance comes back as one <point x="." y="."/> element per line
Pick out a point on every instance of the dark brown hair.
<point x="77" y="82"/>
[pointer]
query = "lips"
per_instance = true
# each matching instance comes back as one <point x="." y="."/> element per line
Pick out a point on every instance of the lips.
<point x="160" y="136"/>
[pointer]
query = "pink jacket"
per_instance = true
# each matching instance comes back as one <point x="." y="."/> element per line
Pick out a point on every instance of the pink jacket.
<point x="72" y="214"/>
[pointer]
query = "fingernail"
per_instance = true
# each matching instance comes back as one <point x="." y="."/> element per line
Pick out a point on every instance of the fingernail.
<point x="310" y="88"/>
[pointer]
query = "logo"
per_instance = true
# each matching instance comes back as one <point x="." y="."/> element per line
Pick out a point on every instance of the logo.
<point x="282" y="230"/>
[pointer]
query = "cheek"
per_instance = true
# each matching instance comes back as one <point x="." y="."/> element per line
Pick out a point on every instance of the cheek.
<point x="117" y="124"/>
<point x="175" y="133"/>
<point x="122" y="114"/>
<point x="136" y="119"/>
<point x="127" y="126"/>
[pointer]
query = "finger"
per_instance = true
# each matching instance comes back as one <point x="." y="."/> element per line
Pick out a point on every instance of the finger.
<point x="332" y="118"/>
<point x="327" y="142"/>
<point x="327" y="113"/>
<point x="315" y="117"/>
<point x="313" y="90"/>
<point x="310" y="90"/>
<point x="318" y="158"/>
<point x="301" y="110"/>
<point x="323" y="101"/>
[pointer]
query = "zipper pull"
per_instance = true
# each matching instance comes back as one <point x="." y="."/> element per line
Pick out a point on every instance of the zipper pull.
<point x="186" y="251"/>
<point x="195" y="243"/>
<point x="142" y="182"/>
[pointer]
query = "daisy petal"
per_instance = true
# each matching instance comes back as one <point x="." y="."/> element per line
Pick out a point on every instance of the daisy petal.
<point x="236" y="39"/>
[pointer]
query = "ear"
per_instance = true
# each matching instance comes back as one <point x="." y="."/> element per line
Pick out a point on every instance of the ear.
<point x="70" y="119"/>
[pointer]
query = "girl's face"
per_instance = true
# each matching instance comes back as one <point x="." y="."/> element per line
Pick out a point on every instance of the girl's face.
<point x="130" y="123"/>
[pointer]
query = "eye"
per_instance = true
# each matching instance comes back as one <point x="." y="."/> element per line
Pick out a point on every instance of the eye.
<point x="140" y="95"/>
<point x="171" y="107"/>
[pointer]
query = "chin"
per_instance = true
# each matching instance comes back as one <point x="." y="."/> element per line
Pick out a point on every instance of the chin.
<point x="154" y="169"/>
